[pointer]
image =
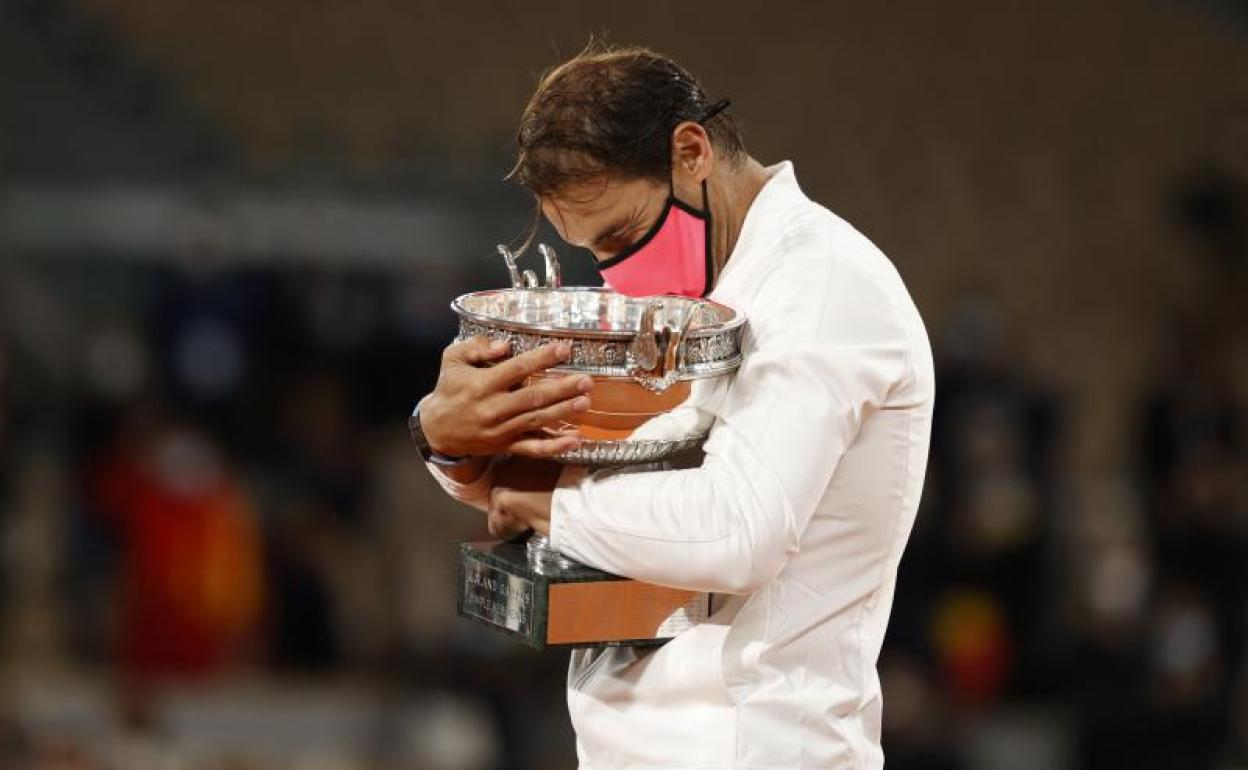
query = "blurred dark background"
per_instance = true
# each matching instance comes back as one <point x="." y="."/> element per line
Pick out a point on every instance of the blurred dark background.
<point x="229" y="232"/>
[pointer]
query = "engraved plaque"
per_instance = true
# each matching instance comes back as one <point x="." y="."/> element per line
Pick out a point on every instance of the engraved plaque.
<point x="498" y="598"/>
<point x="569" y="605"/>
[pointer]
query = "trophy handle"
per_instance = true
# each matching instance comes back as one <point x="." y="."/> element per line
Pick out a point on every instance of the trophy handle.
<point x="528" y="279"/>
<point x="644" y="350"/>
<point x="672" y="360"/>
<point x="513" y="271"/>
<point x="554" y="274"/>
<point x="656" y="353"/>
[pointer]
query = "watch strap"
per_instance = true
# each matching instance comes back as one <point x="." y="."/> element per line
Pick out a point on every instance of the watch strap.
<point x="427" y="452"/>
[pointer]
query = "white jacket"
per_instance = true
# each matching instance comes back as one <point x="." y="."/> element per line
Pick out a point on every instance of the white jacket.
<point x="799" y="515"/>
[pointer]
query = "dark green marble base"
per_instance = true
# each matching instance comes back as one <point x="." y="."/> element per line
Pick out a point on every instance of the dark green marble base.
<point x="500" y="588"/>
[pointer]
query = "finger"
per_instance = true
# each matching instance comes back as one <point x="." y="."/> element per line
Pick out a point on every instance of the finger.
<point x="495" y="518"/>
<point x="549" y="417"/>
<point x="517" y="368"/>
<point x="499" y="522"/>
<point x="540" y="447"/>
<point x="503" y="526"/>
<point x="476" y="350"/>
<point x="540" y="395"/>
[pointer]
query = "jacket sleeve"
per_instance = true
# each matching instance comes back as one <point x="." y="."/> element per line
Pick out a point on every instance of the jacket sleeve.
<point x="824" y="347"/>
<point x="476" y="493"/>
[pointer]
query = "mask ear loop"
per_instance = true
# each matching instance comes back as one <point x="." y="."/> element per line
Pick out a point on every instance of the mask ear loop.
<point x="710" y="112"/>
<point x="708" y="229"/>
<point x="714" y="110"/>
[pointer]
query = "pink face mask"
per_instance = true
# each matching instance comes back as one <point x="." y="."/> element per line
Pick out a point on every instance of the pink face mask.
<point x="673" y="257"/>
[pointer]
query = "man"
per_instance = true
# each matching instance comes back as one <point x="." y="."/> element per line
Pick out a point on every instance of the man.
<point x="797" y="518"/>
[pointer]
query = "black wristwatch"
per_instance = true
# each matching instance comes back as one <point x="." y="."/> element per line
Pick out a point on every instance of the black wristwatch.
<point x="422" y="444"/>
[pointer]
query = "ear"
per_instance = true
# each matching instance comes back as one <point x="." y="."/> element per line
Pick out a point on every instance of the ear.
<point x="693" y="157"/>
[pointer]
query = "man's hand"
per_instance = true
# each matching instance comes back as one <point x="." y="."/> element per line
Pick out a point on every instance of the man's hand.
<point x="477" y="409"/>
<point x="522" y="496"/>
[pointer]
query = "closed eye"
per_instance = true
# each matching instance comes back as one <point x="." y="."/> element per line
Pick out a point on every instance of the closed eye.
<point x="617" y="238"/>
<point x="609" y="236"/>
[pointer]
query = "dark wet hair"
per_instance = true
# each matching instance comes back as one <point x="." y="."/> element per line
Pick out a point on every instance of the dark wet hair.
<point x="609" y="112"/>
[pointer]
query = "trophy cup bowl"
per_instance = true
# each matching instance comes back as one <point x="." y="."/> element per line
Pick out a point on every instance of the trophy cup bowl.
<point x="659" y="367"/>
<point x="645" y="356"/>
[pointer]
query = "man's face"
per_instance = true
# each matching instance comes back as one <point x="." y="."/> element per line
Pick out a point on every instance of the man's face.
<point x="605" y="216"/>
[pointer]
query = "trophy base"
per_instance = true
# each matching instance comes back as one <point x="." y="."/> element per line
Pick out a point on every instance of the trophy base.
<point x="566" y="604"/>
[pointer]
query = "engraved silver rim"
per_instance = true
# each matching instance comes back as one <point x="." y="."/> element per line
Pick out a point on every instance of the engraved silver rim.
<point x="707" y="351"/>
<point x="690" y="372"/>
<point x="735" y="321"/>
<point x="627" y="451"/>
<point x="588" y="355"/>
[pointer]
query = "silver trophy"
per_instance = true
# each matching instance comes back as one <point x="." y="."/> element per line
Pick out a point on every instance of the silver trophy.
<point x="660" y="368"/>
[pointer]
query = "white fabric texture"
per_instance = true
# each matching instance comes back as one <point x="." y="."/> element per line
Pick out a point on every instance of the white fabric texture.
<point x="475" y="493"/>
<point x="800" y="511"/>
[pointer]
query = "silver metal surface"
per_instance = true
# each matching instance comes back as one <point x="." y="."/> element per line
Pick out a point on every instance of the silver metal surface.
<point x="644" y="348"/>
<point x="603" y="326"/>
<point x="513" y="270"/>
<point x="657" y="352"/>
<point x="630" y="452"/>
<point x="496" y="596"/>
<point x="543" y="557"/>
<point x="554" y="274"/>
